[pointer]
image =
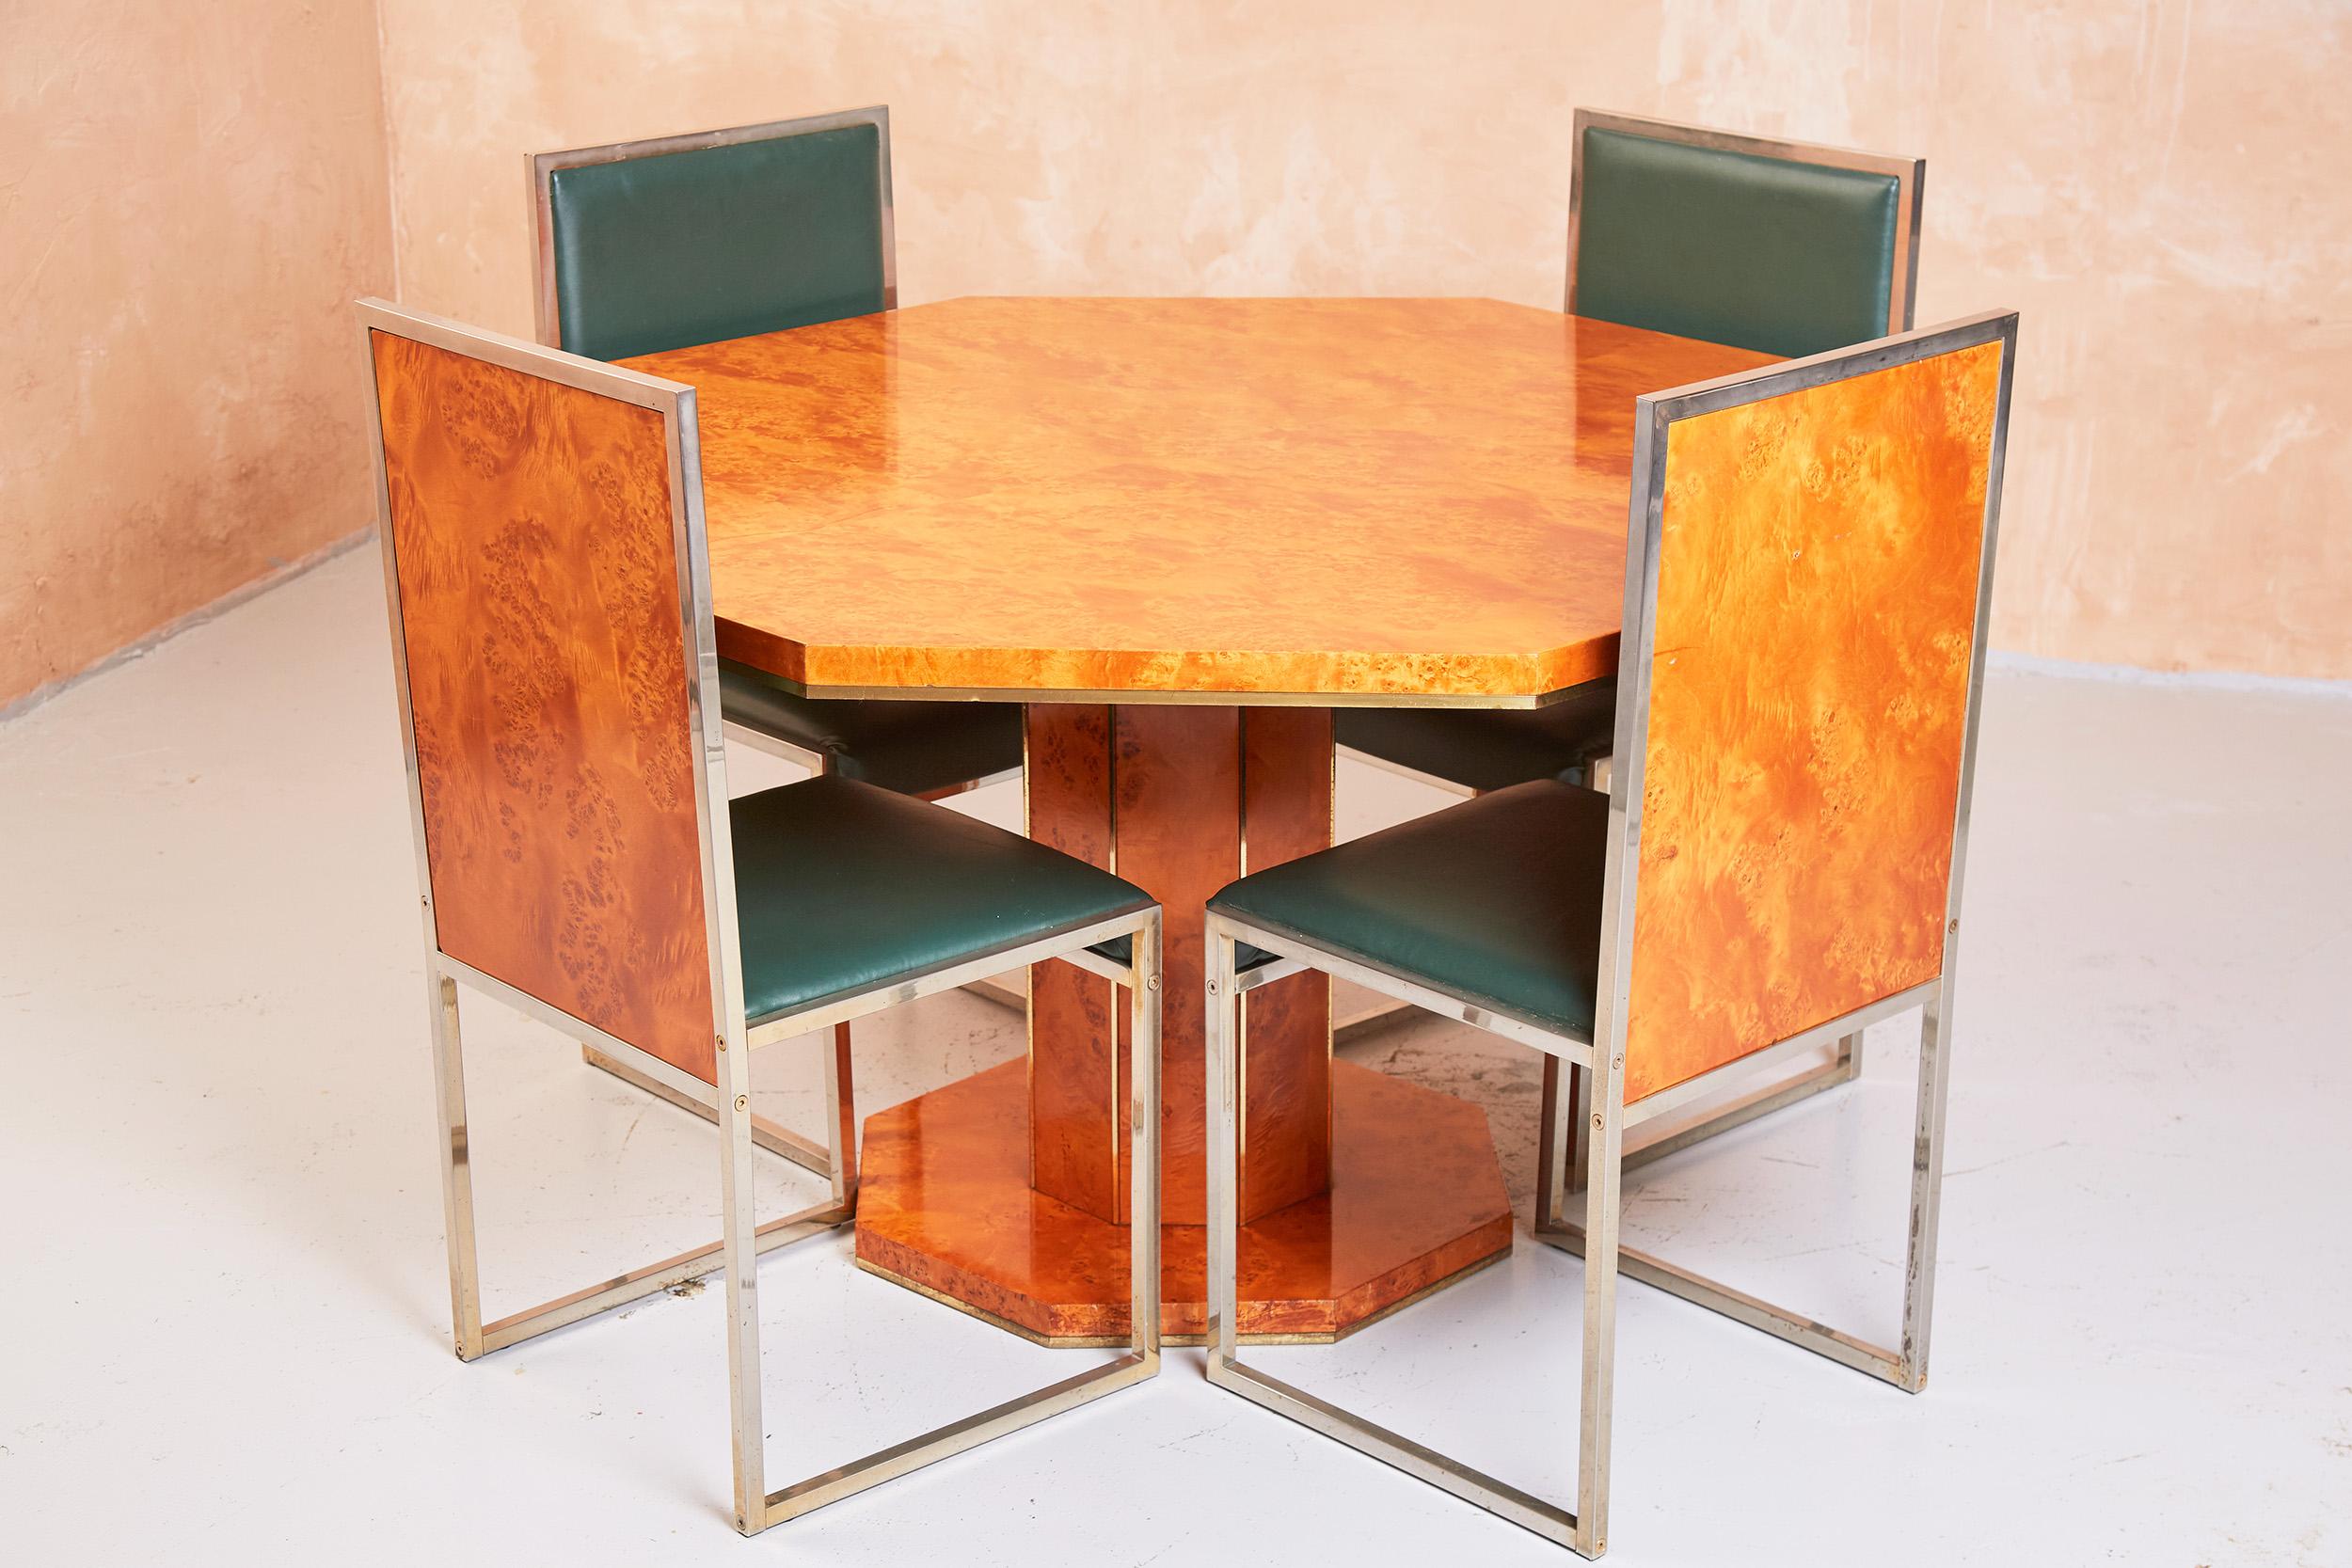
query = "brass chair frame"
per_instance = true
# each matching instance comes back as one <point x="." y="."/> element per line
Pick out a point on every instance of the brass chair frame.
<point x="1604" y="1116"/>
<point x="728" y="1101"/>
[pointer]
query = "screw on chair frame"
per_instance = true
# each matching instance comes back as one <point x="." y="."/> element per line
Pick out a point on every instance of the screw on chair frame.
<point x="1602" y="1118"/>
<point x="734" y="1036"/>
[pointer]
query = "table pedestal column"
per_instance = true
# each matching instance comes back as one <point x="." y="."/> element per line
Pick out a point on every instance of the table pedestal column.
<point x="1004" y="1193"/>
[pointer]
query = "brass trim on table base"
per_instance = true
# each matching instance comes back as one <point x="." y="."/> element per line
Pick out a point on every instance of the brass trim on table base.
<point x="1181" y="1341"/>
<point x="1478" y="1265"/>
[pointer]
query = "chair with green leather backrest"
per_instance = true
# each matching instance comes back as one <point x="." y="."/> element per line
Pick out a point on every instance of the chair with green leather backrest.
<point x="1776" y="864"/>
<point x="1785" y="247"/>
<point x="649" y="246"/>
<point x="1780" y="247"/>
<point x="578" y="858"/>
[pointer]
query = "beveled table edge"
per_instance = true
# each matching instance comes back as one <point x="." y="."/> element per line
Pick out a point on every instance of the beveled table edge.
<point x="1560" y="671"/>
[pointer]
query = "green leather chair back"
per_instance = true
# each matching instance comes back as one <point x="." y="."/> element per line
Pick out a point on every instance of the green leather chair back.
<point x="1775" y="246"/>
<point x="653" y="245"/>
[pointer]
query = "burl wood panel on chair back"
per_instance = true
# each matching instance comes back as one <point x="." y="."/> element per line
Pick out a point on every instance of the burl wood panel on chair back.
<point x="542" y="615"/>
<point x="1820" y="551"/>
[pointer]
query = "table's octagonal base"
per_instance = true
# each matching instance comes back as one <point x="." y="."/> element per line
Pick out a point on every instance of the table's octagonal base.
<point x="945" y="1206"/>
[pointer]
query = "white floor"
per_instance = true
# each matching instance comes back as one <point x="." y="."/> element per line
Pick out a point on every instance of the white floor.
<point x="223" y="1321"/>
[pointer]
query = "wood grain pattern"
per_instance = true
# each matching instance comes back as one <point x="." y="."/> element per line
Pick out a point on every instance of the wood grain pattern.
<point x="1163" y="795"/>
<point x="1301" y="496"/>
<point x="1176" y="787"/>
<point x="547" y="676"/>
<point x="1287" y="758"/>
<point x="1416" y="1200"/>
<point x="1077" y="1022"/>
<point x="1817" y="602"/>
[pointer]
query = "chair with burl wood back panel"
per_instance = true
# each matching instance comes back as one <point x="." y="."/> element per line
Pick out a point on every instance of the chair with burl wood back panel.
<point x="1780" y="247"/>
<point x="1777" y="863"/>
<point x="579" y="859"/>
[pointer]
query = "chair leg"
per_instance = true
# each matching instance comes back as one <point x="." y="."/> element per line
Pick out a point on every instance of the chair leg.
<point x="840" y="1122"/>
<point x="475" y="1338"/>
<point x="1142" y="1361"/>
<point x="449" y="1096"/>
<point x="737" y="1222"/>
<point x="1143" y="1150"/>
<point x="1560" y="1141"/>
<point x="1585" y="1530"/>
<point x="1927" y="1187"/>
<point x="1224" y="1102"/>
<point x="1604" y="1183"/>
<point x="1906" y="1367"/>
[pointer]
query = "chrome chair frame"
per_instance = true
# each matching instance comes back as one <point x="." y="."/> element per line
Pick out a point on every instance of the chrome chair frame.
<point x="742" y="1238"/>
<point x="1604" y="1116"/>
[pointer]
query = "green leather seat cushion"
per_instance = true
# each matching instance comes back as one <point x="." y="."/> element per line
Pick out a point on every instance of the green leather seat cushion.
<point x="1761" y="253"/>
<point x="1496" y="900"/>
<point x="722" y="242"/>
<point x="910" y="747"/>
<point x="840" y="887"/>
<point x="1488" y="748"/>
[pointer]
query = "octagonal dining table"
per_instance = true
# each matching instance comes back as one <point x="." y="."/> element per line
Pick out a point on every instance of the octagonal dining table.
<point x="1180" y="531"/>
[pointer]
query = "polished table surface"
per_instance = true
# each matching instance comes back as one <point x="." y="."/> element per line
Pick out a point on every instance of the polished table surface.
<point x="1341" y="500"/>
<point x="1258" y="509"/>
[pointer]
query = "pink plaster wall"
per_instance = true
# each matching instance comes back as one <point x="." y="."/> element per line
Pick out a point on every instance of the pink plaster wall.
<point x="2157" y="186"/>
<point x="190" y="196"/>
